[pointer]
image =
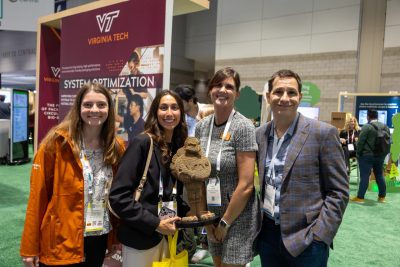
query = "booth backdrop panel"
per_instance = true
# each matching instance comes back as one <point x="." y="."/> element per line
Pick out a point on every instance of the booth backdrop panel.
<point x="97" y="44"/>
<point x="386" y="106"/>
<point x="49" y="73"/>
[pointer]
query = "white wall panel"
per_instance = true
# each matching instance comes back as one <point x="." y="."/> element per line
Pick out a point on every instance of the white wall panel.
<point x="289" y="26"/>
<point x="392" y="36"/>
<point x="240" y="32"/>
<point x="393" y="13"/>
<point x="17" y="51"/>
<point x="201" y="23"/>
<point x="23" y="15"/>
<point x="202" y="50"/>
<point x="178" y="48"/>
<point x="336" y="41"/>
<point x="234" y="11"/>
<point x="200" y="36"/>
<point x="294" y="25"/>
<point x="285" y="46"/>
<point x="278" y="8"/>
<point x="238" y="50"/>
<point x="341" y="19"/>
<point x="329" y="4"/>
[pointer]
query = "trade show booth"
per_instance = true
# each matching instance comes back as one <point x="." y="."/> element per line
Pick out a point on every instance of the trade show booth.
<point x="14" y="134"/>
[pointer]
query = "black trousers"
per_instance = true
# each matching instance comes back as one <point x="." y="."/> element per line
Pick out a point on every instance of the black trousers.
<point x="95" y="251"/>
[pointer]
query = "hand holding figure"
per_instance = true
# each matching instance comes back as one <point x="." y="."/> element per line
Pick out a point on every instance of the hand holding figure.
<point x="167" y="226"/>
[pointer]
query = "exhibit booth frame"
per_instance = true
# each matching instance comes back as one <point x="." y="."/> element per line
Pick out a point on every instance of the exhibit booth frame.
<point x="344" y="95"/>
<point x="53" y="21"/>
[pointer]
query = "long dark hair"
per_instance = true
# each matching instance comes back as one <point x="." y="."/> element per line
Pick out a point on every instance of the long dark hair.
<point x="152" y="126"/>
<point x="73" y="125"/>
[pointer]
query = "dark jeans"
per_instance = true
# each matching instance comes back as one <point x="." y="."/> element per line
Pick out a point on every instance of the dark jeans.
<point x="366" y="163"/>
<point x="273" y="253"/>
<point x="95" y="251"/>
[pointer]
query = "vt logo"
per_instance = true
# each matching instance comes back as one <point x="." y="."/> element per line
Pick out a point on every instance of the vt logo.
<point x="56" y="71"/>
<point x="105" y="21"/>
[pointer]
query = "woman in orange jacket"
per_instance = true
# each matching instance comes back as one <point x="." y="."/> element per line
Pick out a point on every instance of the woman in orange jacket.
<point x="67" y="222"/>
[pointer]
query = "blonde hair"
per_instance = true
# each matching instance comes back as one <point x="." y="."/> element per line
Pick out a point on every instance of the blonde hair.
<point x="347" y="123"/>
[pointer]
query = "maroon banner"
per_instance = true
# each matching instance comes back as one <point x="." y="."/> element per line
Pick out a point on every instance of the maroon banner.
<point x="49" y="74"/>
<point x="120" y="46"/>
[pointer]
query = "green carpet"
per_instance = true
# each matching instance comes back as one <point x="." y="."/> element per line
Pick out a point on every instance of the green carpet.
<point x="368" y="236"/>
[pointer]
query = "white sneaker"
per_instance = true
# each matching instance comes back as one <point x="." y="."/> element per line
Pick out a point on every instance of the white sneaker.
<point x="199" y="255"/>
<point x="248" y="265"/>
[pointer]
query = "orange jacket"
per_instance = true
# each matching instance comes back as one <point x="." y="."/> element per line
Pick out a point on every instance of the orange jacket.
<point x="54" y="223"/>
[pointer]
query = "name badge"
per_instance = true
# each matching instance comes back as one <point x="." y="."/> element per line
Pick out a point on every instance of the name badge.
<point x="95" y="216"/>
<point x="166" y="209"/>
<point x="213" y="192"/>
<point x="350" y="147"/>
<point x="269" y="199"/>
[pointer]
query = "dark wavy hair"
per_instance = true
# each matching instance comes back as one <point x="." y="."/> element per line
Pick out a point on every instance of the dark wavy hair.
<point x="73" y="125"/>
<point x="153" y="127"/>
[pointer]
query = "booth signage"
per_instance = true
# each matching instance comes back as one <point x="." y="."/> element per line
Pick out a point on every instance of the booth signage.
<point x="387" y="106"/>
<point x="311" y="94"/>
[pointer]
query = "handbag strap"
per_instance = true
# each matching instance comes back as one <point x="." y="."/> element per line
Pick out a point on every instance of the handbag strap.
<point x="172" y="243"/>
<point x="139" y="190"/>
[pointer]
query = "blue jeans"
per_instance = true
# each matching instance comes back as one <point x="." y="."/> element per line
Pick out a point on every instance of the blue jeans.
<point x="366" y="163"/>
<point x="273" y="253"/>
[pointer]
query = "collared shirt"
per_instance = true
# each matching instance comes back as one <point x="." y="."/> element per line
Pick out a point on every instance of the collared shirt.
<point x="191" y="124"/>
<point x="278" y="165"/>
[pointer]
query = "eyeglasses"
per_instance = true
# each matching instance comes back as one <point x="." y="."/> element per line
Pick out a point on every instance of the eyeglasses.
<point x="228" y="86"/>
<point x="90" y="105"/>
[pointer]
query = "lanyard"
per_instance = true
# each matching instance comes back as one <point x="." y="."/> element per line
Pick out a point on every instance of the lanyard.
<point x="89" y="175"/>
<point x="275" y="149"/>
<point x="350" y="141"/>
<point x="87" y="172"/>
<point x="161" y="187"/>
<point x="228" y="124"/>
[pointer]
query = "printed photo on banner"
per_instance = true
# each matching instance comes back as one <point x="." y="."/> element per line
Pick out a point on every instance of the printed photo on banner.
<point x="133" y="101"/>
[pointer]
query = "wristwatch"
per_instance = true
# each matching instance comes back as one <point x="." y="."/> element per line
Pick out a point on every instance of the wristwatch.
<point x="224" y="224"/>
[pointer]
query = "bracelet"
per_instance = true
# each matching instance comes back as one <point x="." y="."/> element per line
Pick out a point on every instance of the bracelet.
<point x="224" y="224"/>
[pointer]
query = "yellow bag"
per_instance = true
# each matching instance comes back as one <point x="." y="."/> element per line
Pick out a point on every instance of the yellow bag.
<point x="180" y="260"/>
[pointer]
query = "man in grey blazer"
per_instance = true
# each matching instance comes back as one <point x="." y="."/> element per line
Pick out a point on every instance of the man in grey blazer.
<point x="303" y="180"/>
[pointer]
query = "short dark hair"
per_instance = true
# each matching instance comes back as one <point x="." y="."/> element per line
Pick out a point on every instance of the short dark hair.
<point x="138" y="100"/>
<point x="134" y="57"/>
<point x="284" y="74"/>
<point x="186" y="92"/>
<point x="2" y="98"/>
<point x="372" y="114"/>
<point x="223" y="74"/>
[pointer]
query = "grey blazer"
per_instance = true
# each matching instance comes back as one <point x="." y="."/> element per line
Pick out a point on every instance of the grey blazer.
<point x="315" y="186"/>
